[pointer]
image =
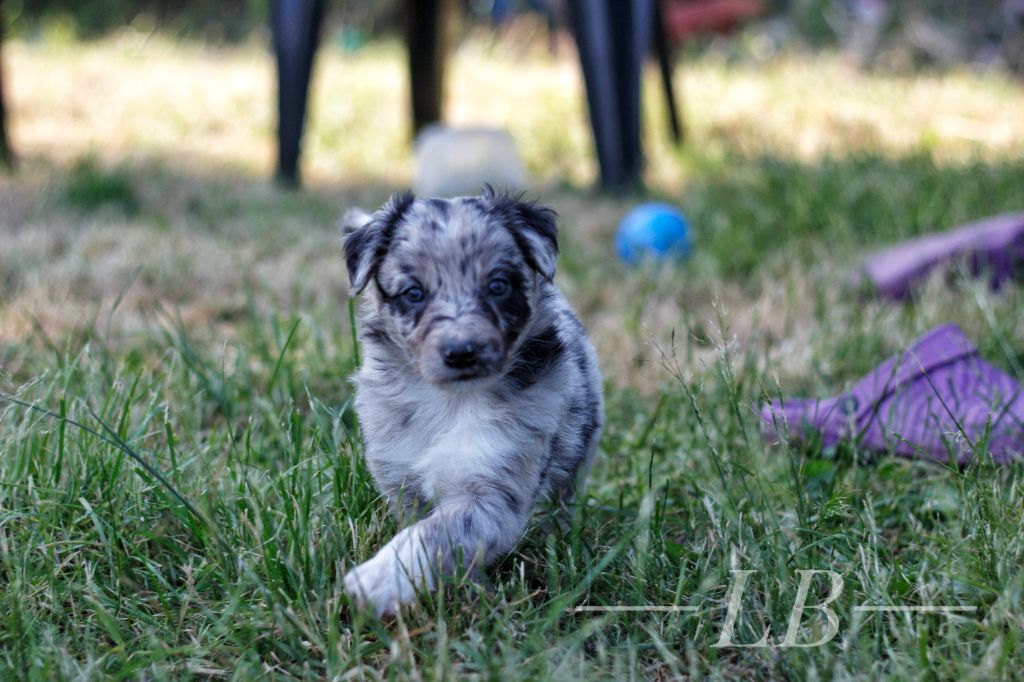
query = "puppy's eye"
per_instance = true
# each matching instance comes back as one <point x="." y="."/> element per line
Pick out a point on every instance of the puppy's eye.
<point x="413" y="294"/>
<point x="498" y="286"/>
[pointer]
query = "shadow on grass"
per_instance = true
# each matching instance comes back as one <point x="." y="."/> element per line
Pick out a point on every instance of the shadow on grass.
<point x="744" y="208"/>
<point x="198" y="192"/>
<point x="748" y="209"/>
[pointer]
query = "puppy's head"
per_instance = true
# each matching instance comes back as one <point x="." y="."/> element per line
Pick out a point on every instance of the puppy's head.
<point x="454" y="282"/>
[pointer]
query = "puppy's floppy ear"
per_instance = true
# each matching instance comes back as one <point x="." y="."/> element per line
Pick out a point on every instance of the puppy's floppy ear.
<point x="353" y="219"/>
<point x="366" y="238"/>
<point x="534" y="228"/>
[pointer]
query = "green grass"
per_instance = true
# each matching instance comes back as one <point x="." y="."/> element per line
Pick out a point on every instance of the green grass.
<point x="207" y="332"/>
<point x="89" y="187"/>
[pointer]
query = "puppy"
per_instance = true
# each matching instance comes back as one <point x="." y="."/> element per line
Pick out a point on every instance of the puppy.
<point x="479" y="392"/>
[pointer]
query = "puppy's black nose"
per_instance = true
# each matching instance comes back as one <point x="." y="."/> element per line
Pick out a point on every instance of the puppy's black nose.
<point x="460" y="355"/>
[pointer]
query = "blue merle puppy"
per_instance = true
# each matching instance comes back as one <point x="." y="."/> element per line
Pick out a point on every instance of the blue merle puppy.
<point x="479" y="392"/>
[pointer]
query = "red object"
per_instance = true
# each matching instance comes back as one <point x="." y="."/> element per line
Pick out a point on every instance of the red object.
<point x="685" y="19"/>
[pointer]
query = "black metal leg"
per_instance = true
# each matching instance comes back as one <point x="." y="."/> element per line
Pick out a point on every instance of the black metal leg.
<point x="591" y="26"/>
<point x="664" y="52"/>
<point x="612" y="39"/>
<point x="6" y="153"/>
<point x="427" y="23"/>
<point x="632" y="23"/>
<point x="296" y="29"/>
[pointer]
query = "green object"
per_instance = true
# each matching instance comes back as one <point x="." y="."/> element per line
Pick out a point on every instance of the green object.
<point x="351" y="38"/>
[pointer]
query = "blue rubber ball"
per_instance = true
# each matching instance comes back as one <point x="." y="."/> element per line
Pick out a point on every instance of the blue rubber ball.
<point x="653" y="231"/>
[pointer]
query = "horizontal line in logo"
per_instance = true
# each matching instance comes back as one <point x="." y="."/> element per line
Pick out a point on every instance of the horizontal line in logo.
<point x="618" y="609"/>
<point x="693" y="609"/>
<point x="918" y="609"/>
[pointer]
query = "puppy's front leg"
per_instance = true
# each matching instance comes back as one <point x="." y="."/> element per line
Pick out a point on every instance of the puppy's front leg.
<point x="475" y="526"/>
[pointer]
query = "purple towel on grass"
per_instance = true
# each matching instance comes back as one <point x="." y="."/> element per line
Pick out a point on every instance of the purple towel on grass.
<point x="995" y="246"/>
<point x="935" y="399"/>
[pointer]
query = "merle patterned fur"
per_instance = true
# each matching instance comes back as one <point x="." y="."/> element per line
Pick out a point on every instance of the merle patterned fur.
<point x="479" y="393"/>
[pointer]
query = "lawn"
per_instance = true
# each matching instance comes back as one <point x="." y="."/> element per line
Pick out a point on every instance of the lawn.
<point x="160" y="297"/>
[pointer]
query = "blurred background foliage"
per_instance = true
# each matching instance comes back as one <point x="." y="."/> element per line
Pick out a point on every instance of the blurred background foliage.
<point x="224" y="21"/>
<point x="891" y="34"/>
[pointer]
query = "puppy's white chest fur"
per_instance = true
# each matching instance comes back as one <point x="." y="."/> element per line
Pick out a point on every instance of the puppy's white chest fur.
<point x="465" y="441"/>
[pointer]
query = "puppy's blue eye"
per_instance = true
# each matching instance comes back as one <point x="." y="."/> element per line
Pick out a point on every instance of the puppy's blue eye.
<point x="413" y="294"/>
<point x="497" y="286"/>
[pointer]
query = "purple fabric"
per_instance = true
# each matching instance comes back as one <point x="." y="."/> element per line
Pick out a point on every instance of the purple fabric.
<point x="934" y="399"/>
<point x="995" y="245"/>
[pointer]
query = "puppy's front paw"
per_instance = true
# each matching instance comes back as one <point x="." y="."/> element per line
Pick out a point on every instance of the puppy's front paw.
<point x="381" y="583"/>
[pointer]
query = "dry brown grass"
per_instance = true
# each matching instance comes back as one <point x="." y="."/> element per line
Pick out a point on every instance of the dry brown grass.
<point x="192" y="128"/>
